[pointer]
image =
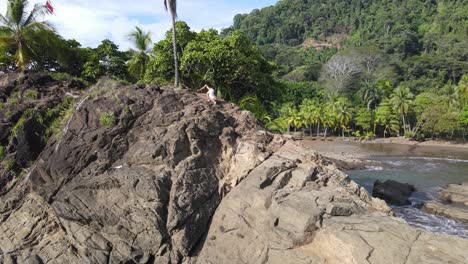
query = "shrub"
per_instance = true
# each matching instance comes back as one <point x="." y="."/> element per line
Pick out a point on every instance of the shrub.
<point x="56" y="117"/>
<point x="27" y="114"/>
<point x="2" y="152"/>
<point x="9" y="165"/>
<point x="1" y="105"/>
<point x="107" y="119"/>
<point x="61" y="76"/>
<point x="31" y="94"/>
<point x="105" y="87"/>
<point x="12" y="101"/>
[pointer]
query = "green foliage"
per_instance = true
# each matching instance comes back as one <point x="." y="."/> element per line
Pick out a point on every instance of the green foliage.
<point x="231" y="64"/>
<point x="252" y="104"/>
<point x="365" y="119"/>
<point x="105" y="60"/>
<point x="31" y="94"/>
<point x="28" y="39"/>
<point x="140" y="58"/>
<point x="55" y="118"/>
<point x="9" y="165"/>
<point x="105" y="87"/>
<point x="107" y="119"/>
<point x="12" y="101"/>
<point x="30" y="113"/>
<point x="2" y="152"/>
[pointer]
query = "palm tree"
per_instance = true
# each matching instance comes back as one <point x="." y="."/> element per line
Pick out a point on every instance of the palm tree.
<point x="401" y="100"/>
<point x="252" y="104"/>
<point x="172" y="6"/>
<point x="142" y="41"/>
<point x="343" y="116"/>
<point x="22" y="36"/>
<point x="461" y="91"/>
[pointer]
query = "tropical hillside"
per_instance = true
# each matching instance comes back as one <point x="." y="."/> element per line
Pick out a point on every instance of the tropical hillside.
<point x="376" y="67"/>
<point x="344" y="68"/>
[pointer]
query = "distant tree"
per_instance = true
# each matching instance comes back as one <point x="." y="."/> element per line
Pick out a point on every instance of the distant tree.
<point x="26" y="38"/>
<point x="386" y="117"/>
<point x="401" y="100"/>
<point x="340" y="71"/>
<point x="365" y="119"/>
<point x="160" y="69"/>
<point x="461" y="91"/>
<point x="142" y="42"/>
<point x="343" y="115"/>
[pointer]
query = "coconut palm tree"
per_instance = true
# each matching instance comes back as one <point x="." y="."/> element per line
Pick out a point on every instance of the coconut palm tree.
<point x="142" y="41"/>
<point x="401" y="100"/>
<point x="343" y="116"/>
<point x="26" y="38"/>
<point x="171" y="5"/>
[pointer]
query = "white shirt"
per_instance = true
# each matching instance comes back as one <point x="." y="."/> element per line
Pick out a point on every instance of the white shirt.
<point x="211" y="93"/>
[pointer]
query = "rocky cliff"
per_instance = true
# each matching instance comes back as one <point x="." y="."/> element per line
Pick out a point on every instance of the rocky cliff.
<point x="150" y="175"/>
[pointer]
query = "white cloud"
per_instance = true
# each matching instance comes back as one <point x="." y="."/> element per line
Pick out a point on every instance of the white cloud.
<point x="91" y="21"/>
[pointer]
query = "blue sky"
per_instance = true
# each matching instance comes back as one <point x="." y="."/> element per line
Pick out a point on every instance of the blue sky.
<point x="90" y="21"/>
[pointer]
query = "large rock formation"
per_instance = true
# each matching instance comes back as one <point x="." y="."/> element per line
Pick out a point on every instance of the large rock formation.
<point x="149" y="175"/>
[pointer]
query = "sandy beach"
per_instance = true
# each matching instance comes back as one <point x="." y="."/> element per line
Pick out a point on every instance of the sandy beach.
<point x="353" y="155"/>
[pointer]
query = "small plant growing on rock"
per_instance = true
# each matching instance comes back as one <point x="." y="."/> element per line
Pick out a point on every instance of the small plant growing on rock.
<point x="107" y="119"/>
<point x="31" y="94"/>
<point x="8" y="165"/>
<point x="12" y="101"/>
<point x="27" y="114"/>
<point x="2" y="152"/>
<point x="105" y="87"/>
<point x="57" y="117"/>
<point x="1" y="105"/>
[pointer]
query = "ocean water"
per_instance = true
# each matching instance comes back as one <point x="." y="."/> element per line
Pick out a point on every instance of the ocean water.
<point x="429" y="171"/>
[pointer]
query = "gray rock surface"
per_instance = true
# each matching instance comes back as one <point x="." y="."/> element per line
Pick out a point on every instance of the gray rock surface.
<point x="177" y="181"/>
<point x="456" y="193"/>
<point x="329" y="219"/>
<point x="454" y="202"/>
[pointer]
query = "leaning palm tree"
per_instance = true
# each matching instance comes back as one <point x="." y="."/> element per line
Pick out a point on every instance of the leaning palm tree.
<point x="26" y="38"/>
<point x="401" y="100"/>
<point x="142" y="41"/>
<point x="172" y="6"/>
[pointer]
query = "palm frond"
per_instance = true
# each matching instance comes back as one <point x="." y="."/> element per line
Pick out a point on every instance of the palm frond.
<point x="171" y="5"/>
<point x="38" y="10"/>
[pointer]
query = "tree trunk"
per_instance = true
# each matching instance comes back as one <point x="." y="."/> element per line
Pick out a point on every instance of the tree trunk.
<point x="310" y="129"/>
<point x="404" y="125"/>
<point x="174" y="46"/>
<point x="318" y="128"/>
<point x="325" y="134"/>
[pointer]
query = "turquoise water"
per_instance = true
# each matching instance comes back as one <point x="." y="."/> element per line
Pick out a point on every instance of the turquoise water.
<point x="428" y="171"/>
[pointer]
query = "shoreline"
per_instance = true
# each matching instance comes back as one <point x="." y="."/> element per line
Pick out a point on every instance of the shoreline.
<point x="357" y="155"/>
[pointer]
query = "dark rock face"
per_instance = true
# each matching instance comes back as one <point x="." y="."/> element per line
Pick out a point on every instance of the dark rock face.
<point x="25" y="101"/>
<point x="142" y="190"/>
<point x="393" y="192"/>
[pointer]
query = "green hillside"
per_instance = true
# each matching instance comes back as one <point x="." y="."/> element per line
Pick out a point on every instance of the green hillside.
<point x="363" y="53"/>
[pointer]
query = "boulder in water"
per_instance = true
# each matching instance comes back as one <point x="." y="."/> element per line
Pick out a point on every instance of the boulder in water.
<point x="393" y="192"/>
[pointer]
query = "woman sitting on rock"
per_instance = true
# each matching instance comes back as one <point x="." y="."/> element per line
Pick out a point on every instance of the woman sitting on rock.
<point x="211" y="93"/>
